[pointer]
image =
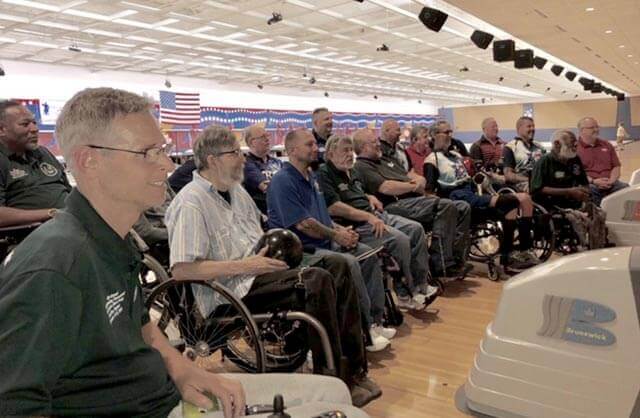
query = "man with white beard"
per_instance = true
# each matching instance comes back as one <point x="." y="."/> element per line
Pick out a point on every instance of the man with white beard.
<point x="559" y="178"/>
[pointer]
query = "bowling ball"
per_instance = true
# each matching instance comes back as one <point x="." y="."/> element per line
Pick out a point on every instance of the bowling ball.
<point x="283" y="245"/>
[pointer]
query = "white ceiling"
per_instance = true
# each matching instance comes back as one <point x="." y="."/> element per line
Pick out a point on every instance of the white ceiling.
<point x="599" y="35"/>
<point x="333" y="41"/>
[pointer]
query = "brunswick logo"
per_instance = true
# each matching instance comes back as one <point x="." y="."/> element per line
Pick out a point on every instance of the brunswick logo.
<point x="114" y="305"/>
<point x="573" y="320"/>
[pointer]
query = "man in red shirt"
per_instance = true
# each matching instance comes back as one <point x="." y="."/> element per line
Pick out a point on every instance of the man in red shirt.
<point x="419" y="148"/>
<point x="599" y="160"/>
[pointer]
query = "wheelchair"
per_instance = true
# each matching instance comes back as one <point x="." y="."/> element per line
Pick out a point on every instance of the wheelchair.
<point x="567" y="239"/>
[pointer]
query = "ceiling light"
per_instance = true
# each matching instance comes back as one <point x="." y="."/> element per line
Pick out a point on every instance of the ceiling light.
<point x="629" y="56"/>
<point x="34" y="5"/>
<point x="589" y="9"/>
<point x="608" y="31"/>
<point x="620" y="46"/>
<point x="275" y="18"/>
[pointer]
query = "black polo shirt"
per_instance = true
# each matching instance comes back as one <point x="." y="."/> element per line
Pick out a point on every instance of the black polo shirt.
<point x="71" y="312"/>
<point x="372" y="173"/>
<point x="34" y="180"/>
<point x="322" y="144"/>
<point x="337" y="186"/>
<point x="551" y="172"/>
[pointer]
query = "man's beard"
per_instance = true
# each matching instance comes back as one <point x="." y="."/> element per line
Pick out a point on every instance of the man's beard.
<point x="567" y="153"/>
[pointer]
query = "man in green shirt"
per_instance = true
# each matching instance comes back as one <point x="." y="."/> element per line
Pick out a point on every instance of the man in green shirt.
<point x="32" y="181"/>
<point x="75" y="337"/>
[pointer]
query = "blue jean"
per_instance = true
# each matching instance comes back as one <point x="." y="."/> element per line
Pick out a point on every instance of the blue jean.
<point x="597" y="194"/>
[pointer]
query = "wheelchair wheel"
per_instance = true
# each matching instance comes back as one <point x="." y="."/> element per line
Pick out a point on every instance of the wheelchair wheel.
<point x="544" y="235"/>
<point x="486" y="237"/>
<point x="228" y="333"/>
<point x="285" y="344"/>
<point x="151" y="274"/>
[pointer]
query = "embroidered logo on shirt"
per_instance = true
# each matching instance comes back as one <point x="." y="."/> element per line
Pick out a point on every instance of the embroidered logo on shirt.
<point x="114" y="305"/>
<point x="48" y="170"/>
<point x="17" y="173"/>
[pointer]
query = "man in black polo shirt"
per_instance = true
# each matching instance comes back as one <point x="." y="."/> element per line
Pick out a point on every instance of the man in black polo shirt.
<point x="558" y="178"/>
<point x="383" y="176"/>
<point x="350" y="206"/>
<point x="259" y="166"/>
<point x="520" y="155"/>
<point x="322" y="121"/>
<point x="32" y="181"/>
<point x="75" y="338"/>
<point x="389" y="139"/>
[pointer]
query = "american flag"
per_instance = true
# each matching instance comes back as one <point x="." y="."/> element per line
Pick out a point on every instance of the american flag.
<point x="179" y="108"/>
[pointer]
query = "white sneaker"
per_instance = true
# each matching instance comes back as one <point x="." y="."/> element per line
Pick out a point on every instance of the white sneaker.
<point x="429" y="291"/>
<point x="378" y="342"/>
<point x="387" y="333"/>
<point x="407" y="303"/>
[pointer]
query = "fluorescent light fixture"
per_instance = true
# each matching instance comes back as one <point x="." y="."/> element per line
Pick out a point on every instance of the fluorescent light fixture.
<point x="88" y="15"/>
<point x="33" y="5"/>
<point x="177" y="44"/>
<point x="197" y="64"/>
<point x="144" y="57"/>
<point x="150" y="48"/>
<point x="165" y="22"/>
<point x="206" y="49"/>
<point x="344" y="38"/>
<point x="211" y="57"/>
<point x="259" y="32"/>
<point x="172" y="60"/>
<point x="7" y="40"/>
<point x="134" y="23"/>
<point x="221" y="5"/>
<point x="316" y="30"/>
<point x="13" y="18"/>
<point x="357" y="22"/>
<point x="333" y="14"/>
<point x="228" y="25"/>
<point x="55" y="25"/>
<point x="141" y="6"/>
<point x="123" y="13"/>
<point x="379" y="28"/>
<point x="292" y="24"/>
<point x="262" y="41"/>
<point x="102" y="33"/>
<point x="236" y="35"/>
<point x="121" y="45"/>
<point x="184" y="16"/>
<point x="302" y="4"/>
<point x="39" y="44"/>
<point x="143" y="39"/>
<point x="285" y="46"/>
<point x="203" y="29"/>
<point x="589" y="9"/>
<point x="608" y="31"/>
<point x="113" y="53"/>
<point x="31" y="32"/>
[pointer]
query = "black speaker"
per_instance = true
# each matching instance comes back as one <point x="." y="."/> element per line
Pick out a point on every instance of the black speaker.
<point x="557" y="69"/>
<point x="481" y="39"/>
<point x="432" y="18"/>
<point x="587" y="83"/>
<point x="620" y="97"/>
<point x="597" y="88"/>
<point x="523" y="58"/>
<point x="570" y="75"/>
<point x="504" y="50"/>
<point x="539" y="62"/>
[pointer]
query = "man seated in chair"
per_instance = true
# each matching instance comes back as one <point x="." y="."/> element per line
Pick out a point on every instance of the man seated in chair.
<point x="447" y="175"/>
<point x="520" y="155"/>
<point x="75" y="337"/>
<point x="349" y="205"/>
<point x="487" y="152"/>
<point x="213" y="227"/>
<point x="402" y="193"/>
<point x="260" y="166"/>
<point x="559" y="182"/>
<point x="295" y="202"/>
<point x="33" y="184"/>
<point x="599" y="159"/>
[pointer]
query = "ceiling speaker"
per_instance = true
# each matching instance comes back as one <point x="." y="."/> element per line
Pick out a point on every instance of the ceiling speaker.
<point x="432" y="18"/>
<point x="597" y="88"/>
<point x="587" y="83"/>
<point x="557" y="69"/>
<point x="539" y="62"/>
<point x="620" y="97"/>
<point x="481" y="39"/>
<point x="504" y="50"/>
<point x="523" y="58"/>
<point x="570" y="75"/>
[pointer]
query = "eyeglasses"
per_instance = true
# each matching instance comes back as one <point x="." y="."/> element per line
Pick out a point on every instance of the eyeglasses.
<point x="152" y="154"/>
<point x="449" y="132"/>
<point x="236" y="152"/>
<point x="264" y="137"/>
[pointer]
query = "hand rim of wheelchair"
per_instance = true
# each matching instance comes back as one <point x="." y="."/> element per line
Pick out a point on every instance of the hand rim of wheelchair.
<point x="151" y="265"/>
<point x="199" y="335"/>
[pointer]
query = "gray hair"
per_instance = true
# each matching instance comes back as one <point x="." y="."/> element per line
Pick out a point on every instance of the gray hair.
<point x="335" y="140"/>
<point x="417" y="130"/>
<point x="433" y="128"/>
<point x="89" y="115"/>
<point x="212" y="141"/>
<point x="486" y="121"/>
<point x="6" y="104"/>
<point x="584" y="119"/>
<point x="561" y="136"/>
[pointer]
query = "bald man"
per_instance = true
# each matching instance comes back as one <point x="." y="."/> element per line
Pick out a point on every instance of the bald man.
<point x="259" y="166"/>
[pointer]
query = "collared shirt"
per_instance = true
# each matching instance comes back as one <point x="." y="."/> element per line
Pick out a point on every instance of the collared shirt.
<point x="337" y="186"/>
<point x="372" y="173"/>
<point x="598" y="159"/>
<point x="549" y="171"/>
<point x="35" y="180"/>
<point x="322" y="144"/>
<point x="416" y="159"/>
<point x="202" y="226"/>
<point x="521" y="157"/>
<point x="291" y="198"/>
<point x="450" y="171"/>
<point x="71" y="313"/>
<point x="396" y="154"/>
<point x="257" y="170"/>
<point x="490" y="153"/>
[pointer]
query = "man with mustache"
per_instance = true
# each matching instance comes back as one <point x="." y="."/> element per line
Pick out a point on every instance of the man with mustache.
<point x="520" y="155"/>
<point x="33" y="183"/>
<point x="559" y="178"/>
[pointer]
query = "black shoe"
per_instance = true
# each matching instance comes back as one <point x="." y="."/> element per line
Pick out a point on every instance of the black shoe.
<point x="460" y="271"/>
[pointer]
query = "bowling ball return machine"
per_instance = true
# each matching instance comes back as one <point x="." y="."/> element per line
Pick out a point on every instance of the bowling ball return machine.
<point x="623" y="213"/>
<point x="565" y="342"/>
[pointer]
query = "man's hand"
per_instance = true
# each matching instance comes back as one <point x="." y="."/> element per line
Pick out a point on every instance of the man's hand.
<point x="194" y="384"/>
<point x="346" y="237"/>
<point x="420" y="183"/>
<point x="375" y="203"/>
<point x="602" y="183"/>
<point x="259" y="264"/>
<point x="263" y="186"/>
<point x="379" y="228"/>
<point x="578" y="193"/>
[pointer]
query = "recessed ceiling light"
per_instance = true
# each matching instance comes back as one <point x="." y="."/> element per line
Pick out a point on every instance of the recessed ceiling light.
<point x="589" y="9"/>
<point x="608" y="31"/>
<point x="620" y="46"/>
<point x="629" y="56"/>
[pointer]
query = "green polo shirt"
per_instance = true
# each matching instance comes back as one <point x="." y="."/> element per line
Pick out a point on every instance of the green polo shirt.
<point x="337" y="186"/>
<point x="372" y="173"/>
<point x="35" y="180"/>
<point x="551" y="172"/>
<point x="71" y="312"/>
